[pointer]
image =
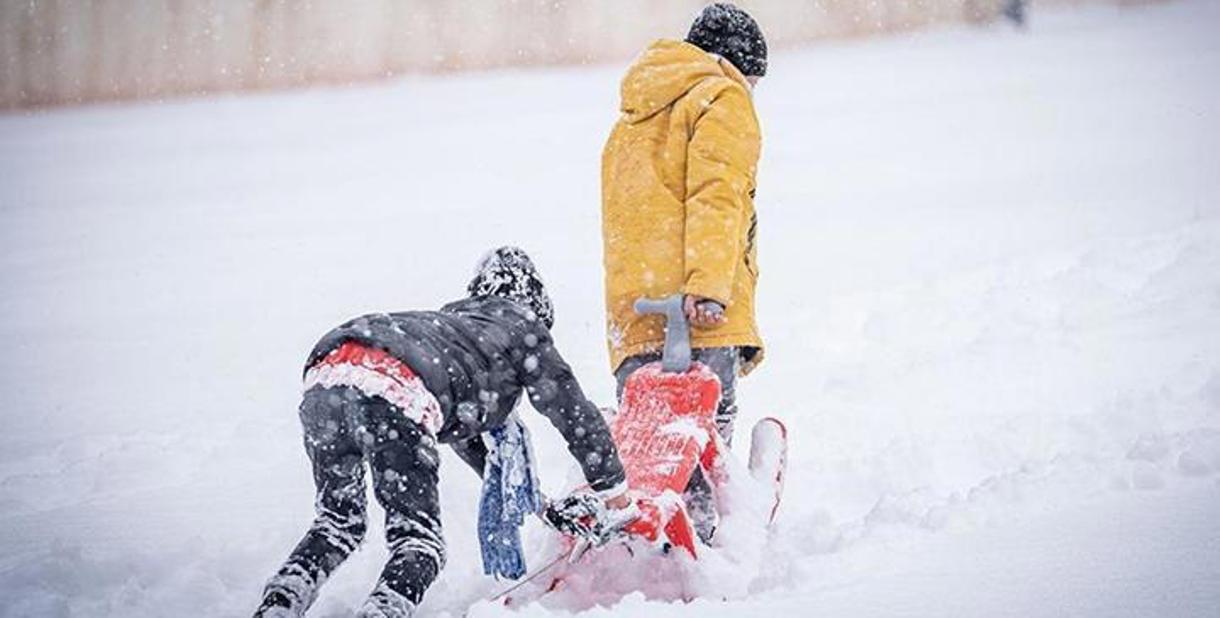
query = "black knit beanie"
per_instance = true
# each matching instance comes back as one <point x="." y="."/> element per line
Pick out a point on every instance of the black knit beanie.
<point x="729" y="32"/>
<point x="509" y="273"/>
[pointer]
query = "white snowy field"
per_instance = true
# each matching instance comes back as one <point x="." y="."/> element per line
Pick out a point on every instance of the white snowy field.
<point x="990" y="285"/>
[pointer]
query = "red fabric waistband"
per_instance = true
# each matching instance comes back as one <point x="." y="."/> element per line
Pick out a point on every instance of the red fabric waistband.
<point x="352" y="353"/>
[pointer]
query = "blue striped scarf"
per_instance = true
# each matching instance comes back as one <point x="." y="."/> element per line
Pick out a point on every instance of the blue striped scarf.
<point x="510" y="492"/>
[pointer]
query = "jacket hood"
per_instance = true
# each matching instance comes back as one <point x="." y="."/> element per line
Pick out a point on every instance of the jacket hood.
<point x="664" y="73"/>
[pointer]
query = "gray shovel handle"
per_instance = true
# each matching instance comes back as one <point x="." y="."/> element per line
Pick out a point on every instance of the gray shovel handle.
<point x="676" y="356"/>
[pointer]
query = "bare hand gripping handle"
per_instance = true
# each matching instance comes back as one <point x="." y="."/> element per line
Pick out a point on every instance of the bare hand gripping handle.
<point x="676" y="357"/>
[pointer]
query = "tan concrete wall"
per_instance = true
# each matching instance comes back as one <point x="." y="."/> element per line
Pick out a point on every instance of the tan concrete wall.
<point x="71" y="51"/>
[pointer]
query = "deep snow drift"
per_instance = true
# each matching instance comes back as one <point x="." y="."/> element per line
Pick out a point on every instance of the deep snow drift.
<point x="990" y="283"/>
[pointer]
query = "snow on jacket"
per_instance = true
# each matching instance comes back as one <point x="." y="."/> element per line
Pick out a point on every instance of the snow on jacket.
<point x="476" y="356"/>
<point x="678" y="178"/>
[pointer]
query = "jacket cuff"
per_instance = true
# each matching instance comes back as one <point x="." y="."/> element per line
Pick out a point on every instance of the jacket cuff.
<point x="720" y="294"/>
<point x="611" y="491"/>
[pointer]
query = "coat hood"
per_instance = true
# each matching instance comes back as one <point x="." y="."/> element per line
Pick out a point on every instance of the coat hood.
<point x="664" y="73"/>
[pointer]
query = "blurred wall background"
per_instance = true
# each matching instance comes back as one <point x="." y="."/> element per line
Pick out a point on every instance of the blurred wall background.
<point x="56" y="52"/>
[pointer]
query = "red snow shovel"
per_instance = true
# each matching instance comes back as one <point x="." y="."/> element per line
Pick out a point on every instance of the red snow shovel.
<point x="665" y="428"/>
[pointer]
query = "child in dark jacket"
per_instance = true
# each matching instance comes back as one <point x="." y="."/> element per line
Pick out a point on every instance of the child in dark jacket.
<point x="384" y="389"/>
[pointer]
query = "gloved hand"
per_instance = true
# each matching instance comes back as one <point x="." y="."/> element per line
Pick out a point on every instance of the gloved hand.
<point x="573" y="515"/>
<point x="588" y="517"/>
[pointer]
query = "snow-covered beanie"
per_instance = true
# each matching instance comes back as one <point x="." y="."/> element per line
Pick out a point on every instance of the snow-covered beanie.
<point x="729" y="32"/>
<point x="509" y="273"/>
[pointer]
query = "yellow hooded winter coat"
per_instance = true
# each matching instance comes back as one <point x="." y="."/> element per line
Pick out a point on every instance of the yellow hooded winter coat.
<point x="678" y="177"/>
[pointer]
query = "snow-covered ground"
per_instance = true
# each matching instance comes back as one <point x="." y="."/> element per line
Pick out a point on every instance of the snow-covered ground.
<point x="990" y="283"/>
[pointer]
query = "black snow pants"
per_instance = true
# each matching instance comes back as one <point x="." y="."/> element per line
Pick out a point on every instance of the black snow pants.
<point x="344" y="429"/>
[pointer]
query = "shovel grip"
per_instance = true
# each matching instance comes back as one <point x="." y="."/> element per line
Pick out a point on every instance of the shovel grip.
<point x="676" y="356"/>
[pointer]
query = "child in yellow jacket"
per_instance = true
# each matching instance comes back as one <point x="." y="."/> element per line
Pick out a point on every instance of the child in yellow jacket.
<point x="678" y="179"/>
